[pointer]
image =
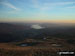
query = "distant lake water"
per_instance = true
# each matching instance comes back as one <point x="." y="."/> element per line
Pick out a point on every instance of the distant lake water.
<point x="27" y="44"/>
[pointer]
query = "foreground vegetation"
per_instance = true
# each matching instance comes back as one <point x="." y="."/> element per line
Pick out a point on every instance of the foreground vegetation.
<point x="44" y="48"/>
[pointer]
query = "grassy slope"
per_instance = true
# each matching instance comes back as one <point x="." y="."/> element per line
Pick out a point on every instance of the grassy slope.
<point x="45" y="48"/>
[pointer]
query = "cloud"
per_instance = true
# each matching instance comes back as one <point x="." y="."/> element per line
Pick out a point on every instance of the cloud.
<point x="38" y="5"/>
<point x="59" y="3"/>
<point x="37" y="27"/>
<point x="35" y="3"/>
<point x="9" y="5"/>
<point x="71" y="7"/>
<point x="49" y="5"/>
<point x="43" y="7"/>
<point x="53" y="5"/>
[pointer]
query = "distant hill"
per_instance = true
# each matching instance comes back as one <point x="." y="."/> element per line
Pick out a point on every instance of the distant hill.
<point x="16" y="32"/>
<point x="10" y="32"/>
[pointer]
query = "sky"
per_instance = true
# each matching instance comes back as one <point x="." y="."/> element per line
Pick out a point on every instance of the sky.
<point x="56" y="11"/>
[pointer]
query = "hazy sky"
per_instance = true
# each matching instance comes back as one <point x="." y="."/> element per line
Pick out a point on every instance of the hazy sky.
<point x="37" y="10"/>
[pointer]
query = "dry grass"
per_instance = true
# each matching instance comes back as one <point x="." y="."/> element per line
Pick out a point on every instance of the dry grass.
<point x="43" y="49"/>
